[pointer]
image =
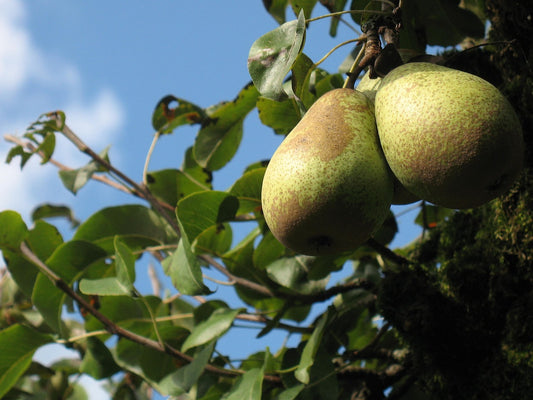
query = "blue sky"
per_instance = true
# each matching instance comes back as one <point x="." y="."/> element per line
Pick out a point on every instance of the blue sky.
<point x="106" y="64"/>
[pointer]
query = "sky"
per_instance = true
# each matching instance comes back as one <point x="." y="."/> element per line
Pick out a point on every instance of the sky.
<point x="107" y="64"/>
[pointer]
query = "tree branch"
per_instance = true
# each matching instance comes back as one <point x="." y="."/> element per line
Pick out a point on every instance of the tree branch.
<point x="115" y="329"/>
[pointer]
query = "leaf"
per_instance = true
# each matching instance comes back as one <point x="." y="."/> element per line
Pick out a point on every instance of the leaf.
<point x="268" y="250"/>
<point x="124" y="264"/>
<point x="75" y="179"/>
<point x="272" y="55"/>
<point x="165" y="119"/>
<point x="211" y="329"/>
<point x="276" y="8"/>
<point x="137" y="226"/>
<point x="282" y="116"/>
<point x="310" y="350"/>
<point x="186" y="377"/>
<point x="98" y="361"/>
<point x="248" y="190"/>
<point x="54" y="211"/>
<point x="199" y="211"/>
<point x="68" y="261"/>
<point x="43" y="239"/>
<point x="366" y="5"/>
<point x="302" y="71"/>
<point x="249" y="386"/>
<point x="110" y="286"/>
<point x="13" y="230"/>
<point x="171" y="185"/>
<point x="338" y="6"/>
<point x="290" y="393"/>
<point x="17" y="346"/>
<point x="291" y="273"/>
<point x="303" y="5"/>
<point x="184" y="270"/>
<point x="214" y="240"/>
<point x="221" y="134"/>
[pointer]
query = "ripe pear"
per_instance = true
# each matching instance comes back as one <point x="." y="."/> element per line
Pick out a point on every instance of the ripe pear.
<point x="327" y="187"/>
<point x="369" y="87"/>
<point x="450" y="137"/>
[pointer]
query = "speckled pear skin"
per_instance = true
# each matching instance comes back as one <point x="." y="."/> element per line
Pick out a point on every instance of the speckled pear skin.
<point x="450" y="137"/>
<point x="327" y="187"/>
<point x="369" y="87"/>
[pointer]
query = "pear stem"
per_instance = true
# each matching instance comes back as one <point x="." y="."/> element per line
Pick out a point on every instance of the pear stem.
<point x="355" y="70"/>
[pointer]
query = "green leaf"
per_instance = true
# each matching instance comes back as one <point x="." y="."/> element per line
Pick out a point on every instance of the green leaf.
<point x="248" y="190"/>
<point x="43" y="239"/>
<point x="19" y="151"/>
<point x="17" y="346"/>
<point x="290" y="393"/>
<point x="276" y="8"/>
<point x="303" y="70"/>
<point x="54" y="211"/>
<point x="366" y="5"/>
<point x="303" y="5"/>
<point x="124" y="264"/>
<point x="291" y="273"/>
<point x="120" y="309"/>
<point x="186" y="377"/>
<point x="184" y="270"/>
<point x="310" y="350"/>
<point x="75" y="179"/>
<point x="268" y="250"/>
<point x="249" y="386"/>
<point x="68" y="261"/>
<point x="281" y="116"/>
<point x="338" y="6"/>
<point x="211" y="329"/>
<point x="272" y="55"/>
<point x="171" y="185"/>
<point x="221" y="134"/>
<point x="199" y="211"/>
<point x="165" y="119"/>
<point x="137" y="226"/>
<point x="214" y="240"/>
<point x="13" y="230"/>
<point x="98" y="361"/>
<point x="110" y="286"/>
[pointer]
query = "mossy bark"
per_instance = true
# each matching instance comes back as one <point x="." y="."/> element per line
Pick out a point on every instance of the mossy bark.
<point x="465" y="308"/>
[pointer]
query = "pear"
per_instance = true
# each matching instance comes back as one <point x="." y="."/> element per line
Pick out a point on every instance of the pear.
<point x="327" y="187"/>
<point x="450" y="137"/>
<point x="369" y="87"/>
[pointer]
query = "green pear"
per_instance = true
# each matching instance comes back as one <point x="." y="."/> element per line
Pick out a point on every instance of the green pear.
<point x="369" y="87"/>
<point x="327" y="187"/>
<point x="450" y="137"/>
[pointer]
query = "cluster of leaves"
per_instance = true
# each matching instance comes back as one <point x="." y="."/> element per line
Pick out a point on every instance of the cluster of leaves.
<point x="82" y="292"/>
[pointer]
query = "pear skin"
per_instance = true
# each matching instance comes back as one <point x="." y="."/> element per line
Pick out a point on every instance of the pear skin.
<point x="327" y="187"/>
<point x="369" y="87"/>
<point x="450" y="137"/>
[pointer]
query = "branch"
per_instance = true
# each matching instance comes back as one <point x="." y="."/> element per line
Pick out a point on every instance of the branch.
<point x="62" y="167"/>
<point x="115" y="329"/>
<point x="237" y="279"/>
<point x="142" y="191"/>
<point x="387" y="253"/>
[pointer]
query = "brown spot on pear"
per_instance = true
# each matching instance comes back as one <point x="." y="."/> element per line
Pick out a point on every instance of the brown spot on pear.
<point x="327" y="187"/>
<point x="450" y="137"/>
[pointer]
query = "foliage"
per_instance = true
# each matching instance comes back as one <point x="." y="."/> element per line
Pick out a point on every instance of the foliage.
<point x="445" y="317"/>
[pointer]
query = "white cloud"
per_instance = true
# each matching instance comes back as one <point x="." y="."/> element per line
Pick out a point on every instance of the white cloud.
<point x="33" y="81"/>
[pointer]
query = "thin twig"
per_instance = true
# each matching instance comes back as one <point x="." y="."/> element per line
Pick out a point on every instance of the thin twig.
<point x="237" y="279"/>
<point x="62" y="167"/>
<point x="115" y="329"/>
<point x="143" y="191"/>
<point x="149" y="156"/>
<point x="387" y="253"/>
